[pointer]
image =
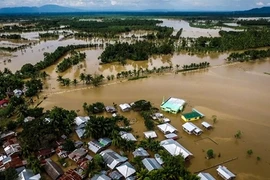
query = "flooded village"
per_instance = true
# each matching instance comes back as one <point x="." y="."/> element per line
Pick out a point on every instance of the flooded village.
<point x="215" y="118"/>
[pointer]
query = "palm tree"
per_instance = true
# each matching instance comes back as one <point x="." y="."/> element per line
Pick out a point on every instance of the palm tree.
<point x="82" y="77"/>
<point x="88" y="78"/>
<point x="59" y="78"/>
<point x="75" y="82"/>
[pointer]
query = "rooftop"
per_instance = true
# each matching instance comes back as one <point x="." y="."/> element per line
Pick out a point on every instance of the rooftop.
<point x="193" y="114"/>
<point x="205" y="176"/>
<point x="173" y="104"/>
<point x="175" y="148"/>
<point x="126" y="169"/>
<point x="225" y="172"/>
<point x="112" y="159"/>
<point x="151" y="164"/>
<point x="127" y="136"/>
<point x="150" y="134"/>
<point x="167" y="128"/>
<point x="140" y="152"/>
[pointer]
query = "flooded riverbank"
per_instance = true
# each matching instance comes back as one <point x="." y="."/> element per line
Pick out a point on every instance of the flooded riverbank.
<point x="238" y="95"/>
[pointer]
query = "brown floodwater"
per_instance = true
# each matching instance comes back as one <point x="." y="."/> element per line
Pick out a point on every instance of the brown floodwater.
<point x="238" y="94"/>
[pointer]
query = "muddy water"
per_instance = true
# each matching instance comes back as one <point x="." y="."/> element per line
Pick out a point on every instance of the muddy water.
<point x="237" y="94"/>
<point x="193" y="32"/>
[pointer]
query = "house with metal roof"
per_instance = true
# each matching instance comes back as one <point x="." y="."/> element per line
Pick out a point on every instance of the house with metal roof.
<point x="192" y="116"/>
<point x="127" y="136"/>
<point x="112" y="159"/>
<point x="80" y="132"/>
<point x="191" y="128"/>
<point x="115" y="175"/>
<point x="125" y="107"/>
<point x="126" y="169"/>
<point x="140" y="152"/>
<point x="151" y="164"/>
<point x="175" y="148"/>
<point x="27" y="174"/>
<point x="101" y="144"/>
<point x="206" y="125"/>
<point x="171" y="136"/>
<point x="158" y="159"/>
<point x="110" y="109"/>
<point x="81" y="120"/>
<point x="150" y="134"/>
<point x="52" y="169"/>
<point x="12" y="149"/>
<point x="166" y="128"/>
<point x="77" y="154"/>
<point x="100" y="177"/>
<point x="205" y="176"/>
<point x="225" y="173"/>
<point x="173" y="105"/>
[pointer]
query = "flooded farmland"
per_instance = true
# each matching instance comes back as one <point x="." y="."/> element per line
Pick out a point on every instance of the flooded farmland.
<point x="237" y="94"/>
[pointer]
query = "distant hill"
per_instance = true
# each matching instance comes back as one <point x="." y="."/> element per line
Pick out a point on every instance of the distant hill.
<point x="262" y="10"/>
<point x="42" y="9"/>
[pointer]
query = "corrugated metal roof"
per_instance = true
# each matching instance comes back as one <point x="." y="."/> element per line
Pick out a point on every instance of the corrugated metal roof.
<point x="151" y="164"/>
<point x="140" y="152"/>
<point x="206" y="176"/>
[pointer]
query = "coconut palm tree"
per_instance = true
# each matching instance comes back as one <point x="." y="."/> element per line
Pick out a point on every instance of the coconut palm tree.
<point x="82" y="77"/>
<point x="75" y="82"/>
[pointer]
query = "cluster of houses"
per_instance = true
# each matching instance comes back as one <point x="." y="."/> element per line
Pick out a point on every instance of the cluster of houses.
<point x="16" y="92"/>
<point x="11" y="158"/>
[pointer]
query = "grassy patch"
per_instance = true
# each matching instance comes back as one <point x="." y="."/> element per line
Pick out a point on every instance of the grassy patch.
<point x="267" y="73"/>
<point x="137" y="77"/>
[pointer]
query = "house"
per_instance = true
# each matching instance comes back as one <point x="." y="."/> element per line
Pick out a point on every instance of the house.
<point x="10" y="141"/>
<point x="127" y="136"/>
<point x="175" y="149"/>
<point x="225" y="173"/>
<point x="165" y="120"/>
<point x="12" y="162"/>
<point x="156" y="116"/>
<point x="171" y="136"/>
<point x="13" y="149"/>
<point x="7" y="135"/>
<point x="206" y="125"/>
<point x="150" y="134"/>
<point x="115" y="175"/>
<point x="158" y="159"/>
<point x="101" y="144"/>
<point x="17" y="92"/>
<point x="100" y="177"/>
<point x="191" y="128"/>
<point x="192" y="116"/>
<point x="140" y="152"/>
<point x="28" y="174"/>
<point x="3" y="103"/>
<point x="52" y="169"/>
<point x="151" y="164"/>
<point x="126" y="169"/>
<point x="78" y="144"/>
<point x="28" y="119"/>
<point x="125" y="107"/>
<point x="166" y="128"/>
<point x="173" y="105"/>
<point x="81" y="120"/>
<point x="77" y="154"/>
<point x="205" y="176"/>
<point x="71" y="174"/>
<point x="112" y="159"/>
<point x="110" y="109"/>
<point x="80" y="132"/>
<point x="83" y="162"/>
<point x="61" y="153"/>
<point x="45" y="153"/>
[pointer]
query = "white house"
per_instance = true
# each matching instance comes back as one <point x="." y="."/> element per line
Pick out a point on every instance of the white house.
<point x="150" y="134"/>
<point x="206" y="125"/>
<point x="127" y="136"/>
<point x="175" y="149"/>
<point x="166" y="128"/>
<point x="81" y="120"/>
<point x="191" y="128"/>
<point x="205" y="176"/>
<point x="126" y="169"/>
<point x="28" y="174"/>
<point x="125" y="107"/>
<point x="112" y="159"/>
<point x="225" y="173"/>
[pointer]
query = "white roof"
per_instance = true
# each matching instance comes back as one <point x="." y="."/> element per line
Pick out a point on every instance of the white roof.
<point x="13" y="148"/>
<point x="80" y="120"/>
<point x="191" y="127"/>
<point x="150" y="134"/>
<point x="174" y="148"/>
<point x="127" y="136"/>
<point x="206" y="124"/>
<point x="171" y="136"/>
<point x="124" y="106"/>
<point x="167" y="128"/>
<point x="151" y="164"/>
<point x="166" y="120"/>
<point x="126" y="169"/>
<point x="205" y="176"/>
<point x="225" y="172"/>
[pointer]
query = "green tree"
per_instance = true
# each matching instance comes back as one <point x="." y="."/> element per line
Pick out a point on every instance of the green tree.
<point x="210" y="153"/>
<point x="249" y="152"/>
<point x="69" y="145"/>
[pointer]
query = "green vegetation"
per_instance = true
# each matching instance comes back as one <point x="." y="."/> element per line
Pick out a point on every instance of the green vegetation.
<point x="194" y="66"/>
<point x="249" y="55"/>
<point x="9" y="174"/>
<point x="210" y="154"/>
<point x="10" y="36"/>
<point x="238" y="135"/>
<point x="255" y="22"/>
<point x="74" y="59"/>
<point x="214" y="119"/>
<point x="148" y="122"/>
<point x="249" y="152"/>
<point x="94" y="108"/>
<point x="49" y="35"/>
<point x="141" y="50"/>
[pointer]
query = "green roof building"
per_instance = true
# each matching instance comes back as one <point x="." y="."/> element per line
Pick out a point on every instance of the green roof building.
<point x="192" y="116"/>
<point x="173" y="105"/>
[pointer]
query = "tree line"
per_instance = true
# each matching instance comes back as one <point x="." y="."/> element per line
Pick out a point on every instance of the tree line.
<point x="140" y="50"/>
<point x="75" y="58"/>
<point x="248" y="55"/>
